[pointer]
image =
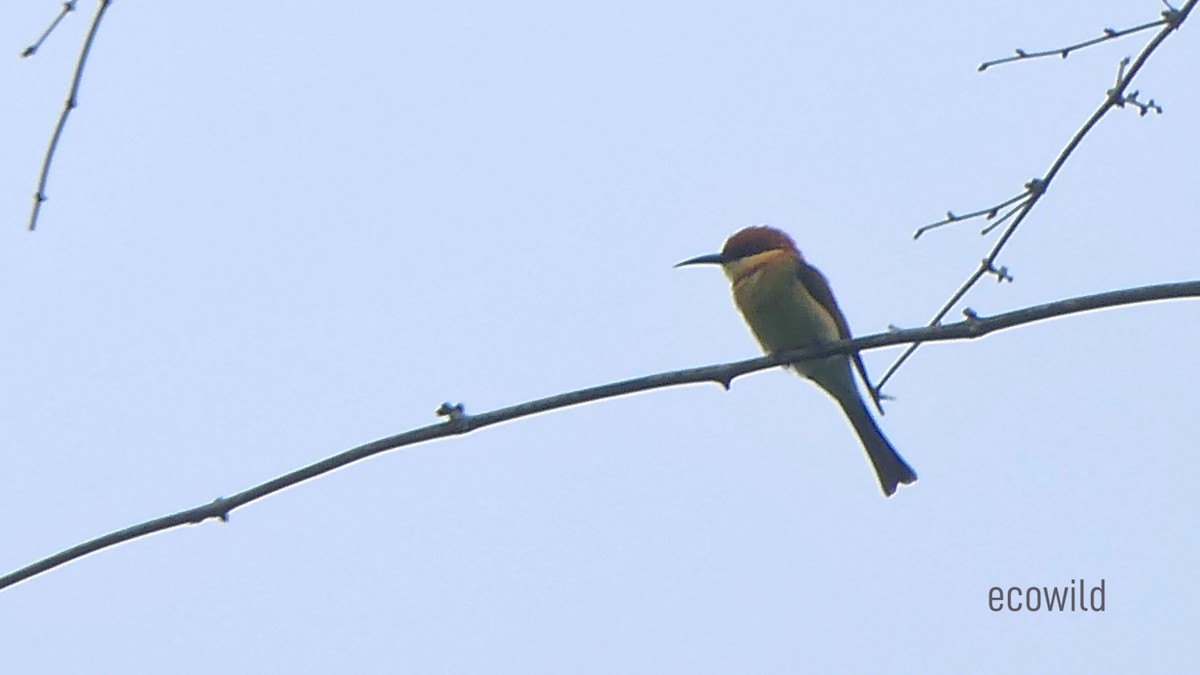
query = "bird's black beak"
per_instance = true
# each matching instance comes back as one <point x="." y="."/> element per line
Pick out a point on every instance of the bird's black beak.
<point x="710" y="259"/>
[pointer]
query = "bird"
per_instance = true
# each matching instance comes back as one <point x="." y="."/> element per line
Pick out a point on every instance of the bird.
<point x="787" y="304"/>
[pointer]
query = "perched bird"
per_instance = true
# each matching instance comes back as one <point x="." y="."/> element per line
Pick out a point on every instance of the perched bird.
<point x="788" y="305"/>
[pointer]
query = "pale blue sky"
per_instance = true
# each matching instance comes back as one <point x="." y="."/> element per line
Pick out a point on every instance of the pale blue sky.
<point x="275" y="232"/>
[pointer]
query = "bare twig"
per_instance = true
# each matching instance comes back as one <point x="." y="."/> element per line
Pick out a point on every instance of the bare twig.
<point x="1170" y="17"/>
<point x="67" y="8"/>
<point x="988" y="214"/>
<point x="72" y="102"/>
<point x="1035" y="189"/>
<point x="459" y="422"/>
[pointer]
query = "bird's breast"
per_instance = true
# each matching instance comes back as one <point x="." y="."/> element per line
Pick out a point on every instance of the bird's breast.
<point x="780" y="312"/>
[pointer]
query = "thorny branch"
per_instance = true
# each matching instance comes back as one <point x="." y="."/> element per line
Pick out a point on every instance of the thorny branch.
<point x="1117" y="97"/>
<point x="1170" y="17"/>
<point x="71" y="103"/>
<point x="457" y="421"/>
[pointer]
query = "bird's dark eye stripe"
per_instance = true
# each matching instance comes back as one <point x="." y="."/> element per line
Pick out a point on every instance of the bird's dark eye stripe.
<point x="745" y="249"/>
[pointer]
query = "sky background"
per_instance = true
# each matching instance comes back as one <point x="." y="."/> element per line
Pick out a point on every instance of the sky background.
<point x="277" y="232"/>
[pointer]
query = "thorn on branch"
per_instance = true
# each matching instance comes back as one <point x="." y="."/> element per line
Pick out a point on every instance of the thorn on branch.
<point x="1001" y="272"/>
<point x="223" y="513"/>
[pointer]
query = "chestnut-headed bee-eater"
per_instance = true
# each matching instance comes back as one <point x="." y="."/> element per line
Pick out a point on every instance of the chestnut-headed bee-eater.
<point x="788" y="305"/>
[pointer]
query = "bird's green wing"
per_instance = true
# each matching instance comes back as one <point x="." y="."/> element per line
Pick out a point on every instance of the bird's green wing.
<point x="818" y="287"/>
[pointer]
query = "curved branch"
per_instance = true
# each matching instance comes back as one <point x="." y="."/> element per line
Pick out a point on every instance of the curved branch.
<point x="72" y="102"/>
<point x="458" y="422"/>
